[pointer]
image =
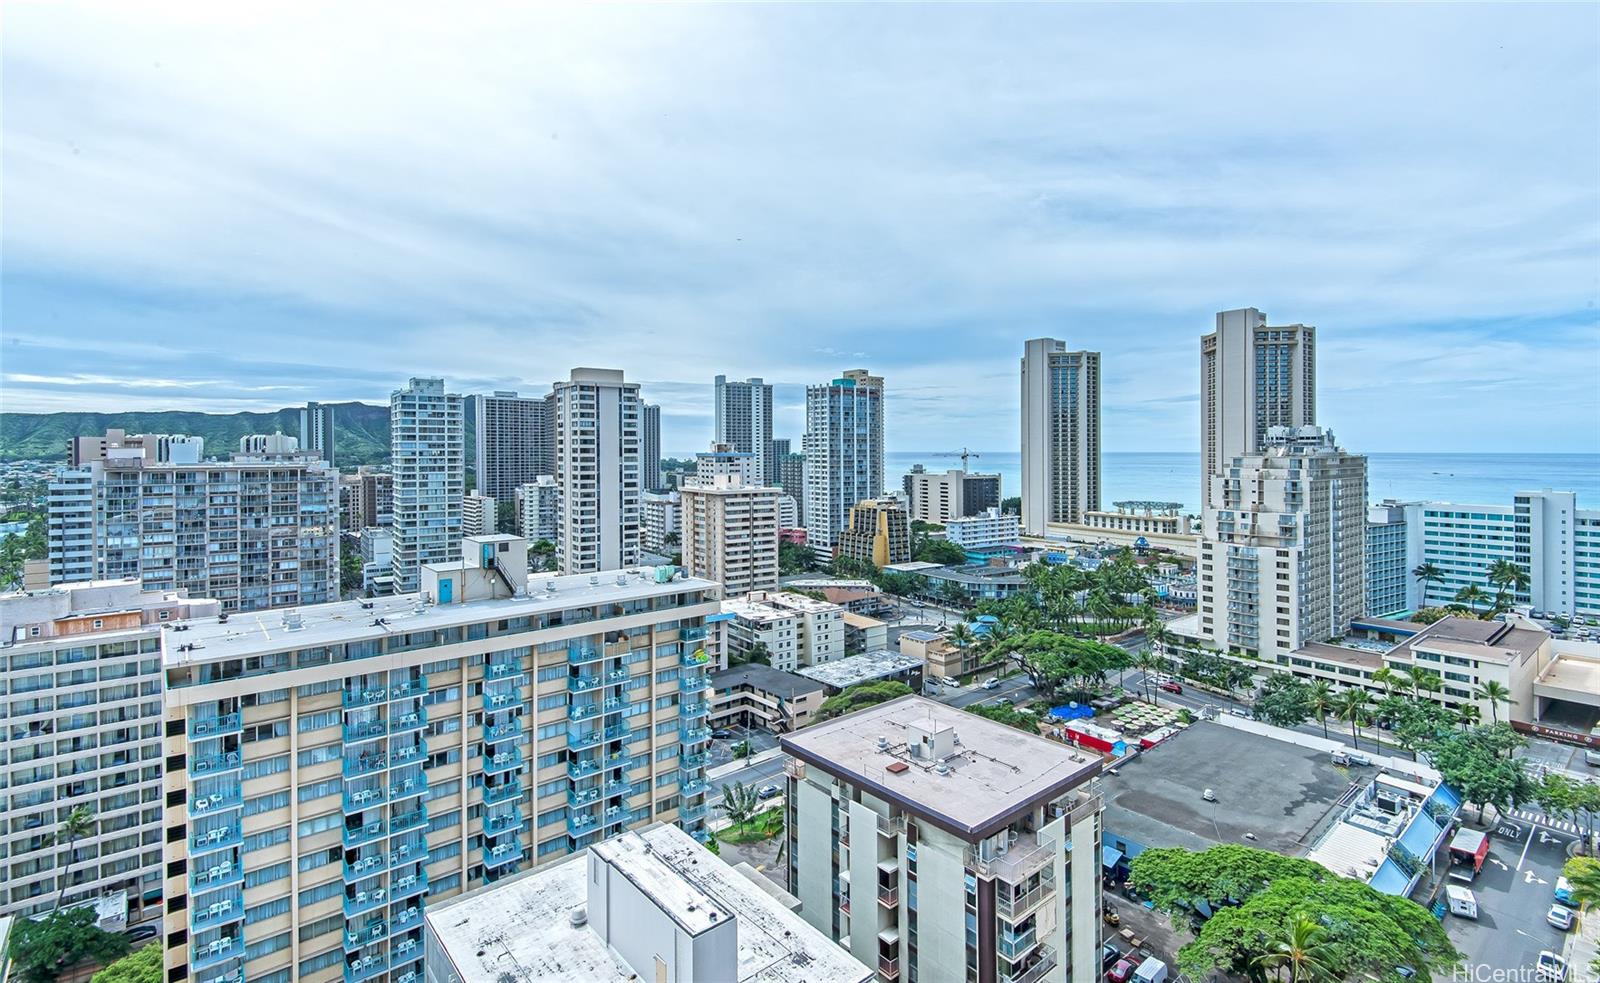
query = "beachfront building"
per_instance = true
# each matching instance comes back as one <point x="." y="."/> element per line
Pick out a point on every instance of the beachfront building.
<point x="335" y="773"/>
<point x="1060" y="435"/>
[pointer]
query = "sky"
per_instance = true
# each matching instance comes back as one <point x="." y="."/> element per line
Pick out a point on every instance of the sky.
<point x="246" y="206"/>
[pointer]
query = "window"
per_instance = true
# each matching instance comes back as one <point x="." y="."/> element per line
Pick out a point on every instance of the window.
<point x="266" y="875"/>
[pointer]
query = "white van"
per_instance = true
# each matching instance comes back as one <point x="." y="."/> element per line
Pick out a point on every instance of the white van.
<point x="1462" y="901"/>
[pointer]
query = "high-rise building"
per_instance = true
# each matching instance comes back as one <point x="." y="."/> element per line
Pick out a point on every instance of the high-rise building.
<point x="744" y="422"/>
<point x="316" y="430"/>
<point x="377" y="498"/>
<point x="256" y="532"/>
<point x="479" y="514"/>
<point x="598" y="471"/>
<point x="780" y="450"/>
<point x="538" y="510"/>
<point x="722" y="461"/>
<point x="938" y="845"/>
<point x="1252" y="376"/>
<point x="337" y="774"/>
<point x="661" y="518"/>
<point x="1394" y="549"/>
<point x="511" y="436"/>
<point x="952" y="494"/>
<point x="730" y="533"/>
<point x="792" y="479"/>
<point x="878" y="533"/>
<point x="376" y="544"/>
<point x="843" y="453"/>
<point x="1283" y="559"/>
<point x="83" y="728"/>
<point x="648" y="896"/>
<point x="1060" y="435"/>
<point x="650" y="447"/>
<point x="159" y="448"/>
<point x="427" y="438"/>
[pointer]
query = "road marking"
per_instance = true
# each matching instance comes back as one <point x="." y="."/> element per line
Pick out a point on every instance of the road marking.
<point x="1524" y="856"/>
<point x="1529" y="877"/>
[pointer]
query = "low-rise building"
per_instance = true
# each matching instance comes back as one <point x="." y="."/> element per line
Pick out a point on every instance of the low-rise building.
<point x="754" y="695"/>
<point x="869" y="667"/>
<point x="992" y="527"/>
<point x="864" y="634"/>
<point x="980" y="582"/>
<point x="794" y="630"/>
<point x="1164" y="519"/>
<point x="479" y="514"/>
<point x="377" y="561"/>
<point x="942" y="658"/>
<point x="646" y="905"/>
<point x="940" y="845"/>
<point x="662" y="522"/>
<point x="877" y="532"/>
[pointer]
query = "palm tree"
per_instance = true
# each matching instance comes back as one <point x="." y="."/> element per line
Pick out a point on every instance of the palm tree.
<point x="1148" y="662"/>
<point x="1386" y="678"/>
<point x="961" y="636"/>
<point x="1304" y="949"/>
<point x="1428" y="573"/>
<point x="1509" y="580"/>
<point x="77" y="824"/>
<point x="1468" y="715"/>
<point x="1320" y="701"/>
<point x="1470" y="595"/>
<point x="739" y="804"/>
<point x="1584" y="879"/>
<point x="1351" y="704"/>
<point x="1428" y="682"/>
<point x="1494" y="693"/>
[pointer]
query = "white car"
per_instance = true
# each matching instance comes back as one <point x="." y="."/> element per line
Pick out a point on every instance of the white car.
<point x="991" y="683"/>
<point x="951" y="682"/>
<point x="1551" y="966"/>
<point x="1560" y="916"/>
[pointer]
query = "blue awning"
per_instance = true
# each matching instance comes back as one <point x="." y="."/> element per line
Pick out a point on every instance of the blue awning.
<point x="1110" y="856"/>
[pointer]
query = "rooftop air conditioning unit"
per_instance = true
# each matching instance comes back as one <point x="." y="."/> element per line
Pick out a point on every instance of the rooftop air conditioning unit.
<point x="291" y="620"/>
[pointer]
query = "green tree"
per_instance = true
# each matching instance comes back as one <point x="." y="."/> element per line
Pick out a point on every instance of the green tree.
<point x="142" y="966"/>
<point x="40" y="950"/>
<point x="541" y="555"/>
<point x="1012" y="505"/>
<point x="795" y="558"/>
<point x="1428" y="573"/>
<point x="855" y="697"/>
<point x="77" y="824"/>
<point x="1010" y="716"/>
<point x="1304" y="949"/>
<point x="739" y="804"/>
<point x="1470" y="595"/>
<point x="1285" y="702"/>
<point x="1351" y="705"/>
<point x="349" y="571"/>
<point x="942" y="552"/>
<point x="1479" y="764"/>
<point x="1509" y="580"/>
<point x="1494" y="693"/>
<point x="1583" y="873"/>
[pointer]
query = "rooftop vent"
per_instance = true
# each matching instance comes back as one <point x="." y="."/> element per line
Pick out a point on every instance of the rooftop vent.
<point x="942" y="768"/>
<point x="594" y="580"/>
<point x="898" y="767"/>
<point x="291" y="620"/>
<point x="883" y="744"/>
<point x="550" y="585"/>
<point x="578" y="918"/>
<point x="622" y="580"/>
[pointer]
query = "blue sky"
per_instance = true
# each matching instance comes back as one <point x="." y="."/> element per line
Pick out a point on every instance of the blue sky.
<point x="226" y="207"/>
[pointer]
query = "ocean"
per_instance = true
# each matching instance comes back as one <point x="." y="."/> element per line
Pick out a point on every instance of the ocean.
<point x="1488" y="479"/>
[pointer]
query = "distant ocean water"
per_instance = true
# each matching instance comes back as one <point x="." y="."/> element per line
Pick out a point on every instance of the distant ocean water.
<point x="1489" y="479"/>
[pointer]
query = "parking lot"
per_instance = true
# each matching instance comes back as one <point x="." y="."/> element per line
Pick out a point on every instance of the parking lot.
<point x="1514" y="891"/>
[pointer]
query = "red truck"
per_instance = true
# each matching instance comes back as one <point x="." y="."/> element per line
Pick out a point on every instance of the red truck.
<point x="1468" y="850"/>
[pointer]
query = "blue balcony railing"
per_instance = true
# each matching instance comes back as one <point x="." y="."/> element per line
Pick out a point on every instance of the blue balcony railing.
<point x="201" y="727"/>
<point x="692" y="761"/>
<point x="363" y="697"/>
<point x="220" y="873"/>
<point x="500" y="702"/>
<point x="580" y="741"/>
<point x="211" y="763"/>
<point x="409" y="689"/>
<point x="614" y="816"/>
<point x="409" y="820"/>
<point x="503" y="822"/>
<point x="581" y="797"/>
<point x="407" y="852"/>
<point x="691" y="786"/>
<point x="363" y="834"/>
<point x="405" y="951"/>
<point x="202" y="955"/>
<point x="502" y="670"/>
<point x="696" y="709"/>
<point x="578" y="655"/>
<point x="410" y="915"/>
<point x="214" y="839"/>
<point x="616" y="732"/>
<point x="410" y="884"/>
<point x="364" y="730"/>
<point x="502" y="761"/>
<point x="692" y="682"/>
<point x="361" y="902"/>
<point x="220" y="910"/>
<point x="501" y="854"/>
<point x="504" y="729"/>
<point x="696" y="634"/>
<point x="411" y="720"/>
<point x="366" y="966"/>
<point x="363" y="867"/>
<point x="373" y="930"/>
<point x="407" y="787"/>
<point x="502" y="792"/>
<point x="583" y="769"/>
<point x="694" y="735"/>
<point x="692" y="813"/>
<point x="583" y="711"/>
<point x="405" y="755"/>
<point x="205" y="805"/>
<point x="619" y="675"/>
<point x="582" y="684"/>
<point x="617" y="786"/>
<point x="362" y="798"/>
<point x="365" y="764"/>
<point x="581" y="824"/>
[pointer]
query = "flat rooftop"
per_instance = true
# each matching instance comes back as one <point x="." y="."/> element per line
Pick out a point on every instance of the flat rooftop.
<point x="1493" y="641"/>
<point x="1279" y="793"/>
<point x="998" y="772"/>
<point x="263" y="632"/>
<point x="862" y="668"/>
<point x="1343" y="655"/>
<point x="520" y="929"/>
<point x="767" y="679"/>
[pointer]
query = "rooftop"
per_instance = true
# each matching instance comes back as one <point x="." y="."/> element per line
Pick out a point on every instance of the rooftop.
<point x="997" y="772"/>
<point x="264" y="632"/>
<point x="1270" y="794"/>
<point x="862" y="668"/>
<point x="977" y="573"/>
<point x="1493" y="641"/>
<point x="767" y="679"/>
<point x="913" y="566"/>
<point x="520" y="929"/>
<point x="1340" y="654"/>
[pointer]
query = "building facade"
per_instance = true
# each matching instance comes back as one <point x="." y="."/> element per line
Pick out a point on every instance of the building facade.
<point x="598" y="472"/>
<point x="1151" y="518"/>
<point x="1284" y="554"/>
<point x="1060" y="434"/>
<point x="755" y="695"/>
<point x="650" y="447"/>
<point x="730" y="534"/>
<point x="316" y="430"/>
<point x="1394" y="549"/>
<point x="377" y="498"/>
<point x="377" y="561"/>
<point x="538" y="510"/>
<point x="843" y="453"/>
<point x="1252" y="376"/>
<point x="479" y="515"/>
<point x="511" y="438"/>
<point x="159" y="448"/>
<point x="82" y="663"/>
<point x="952" y="494"/>
<point x="793" y="629"/>
<point x="990" y="528"/>
<point x="339" y="773"/>
<point x="878" y="532"/>
<point x="743" y="414"/>
<point x="253" y="533"/>
<point x="792" y="479"/>
<point x="661" y="525"/>
<point x="427" y="447"/>
<point x="940" y="846"/>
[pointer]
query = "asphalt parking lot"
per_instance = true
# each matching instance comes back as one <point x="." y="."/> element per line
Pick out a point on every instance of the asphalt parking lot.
<point x="1514" y="890"/>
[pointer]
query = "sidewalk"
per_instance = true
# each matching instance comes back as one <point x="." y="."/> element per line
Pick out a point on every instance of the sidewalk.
<point x="739" y="764"/>
<point x="1582" y="947"/>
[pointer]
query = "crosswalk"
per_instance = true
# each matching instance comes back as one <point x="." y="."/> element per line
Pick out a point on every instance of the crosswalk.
<point x="1540" y="819"/>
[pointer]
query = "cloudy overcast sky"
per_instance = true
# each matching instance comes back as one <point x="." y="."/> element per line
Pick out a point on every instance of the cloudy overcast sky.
<point x="244" y="206"/>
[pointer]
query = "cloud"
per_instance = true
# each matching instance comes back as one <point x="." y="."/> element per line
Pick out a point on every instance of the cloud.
<point x="264" y="204"/>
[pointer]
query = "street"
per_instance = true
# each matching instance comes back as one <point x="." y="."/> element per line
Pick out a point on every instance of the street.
<point x="1514" y="890"/>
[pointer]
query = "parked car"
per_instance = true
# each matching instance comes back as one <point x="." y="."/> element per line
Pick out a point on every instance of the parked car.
<point x="139" y="933"/>
<point x="1170" y="687"/>
<point x="1560" y="916"/>
<point x="993" y="682"/>
<point x="721" y="735"/>
<point x="1109" y="954"/>
<point x="1239" y="712"/>
<point x="768" y="792"/>
<point x="1122" y="972"/>
<point x="1551" y="966"/>
<point x="950" y="681"/>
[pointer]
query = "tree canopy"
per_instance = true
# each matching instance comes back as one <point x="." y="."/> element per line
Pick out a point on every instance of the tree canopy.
<point x="860" y="695"/>
<point x="1010" y="716"/>
<point x="1052" y="659"/>
<point x="941" y="551"/>
<point x="142" y="966"/>
<point x="1257" y="896"/>
<point x="1477" y="762"/>
<point x="40" y="950"/>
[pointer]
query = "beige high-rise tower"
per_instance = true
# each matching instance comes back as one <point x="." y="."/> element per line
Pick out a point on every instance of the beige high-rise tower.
<point x="1060" y="434"/>
<point x="1252" y="376"/>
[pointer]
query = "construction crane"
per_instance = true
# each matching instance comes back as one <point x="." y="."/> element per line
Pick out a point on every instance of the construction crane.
<point x="963" y="455"/>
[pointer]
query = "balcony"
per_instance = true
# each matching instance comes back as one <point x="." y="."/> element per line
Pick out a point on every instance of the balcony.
<point x="365" y="764"/>
<point x="1014" y="907"/>
<point x="579" y="825"/>
<point x="409" y="689"/>
<point x="405" y="755"/>
<point x="614" y="816"/>
<point x="501" y="731"/>
<point x="410" y="884"/>
<point x="404" y="851"/>
<point x="501" y="854"/>
<point x="583" y="684"/>
<point x="210" y="763"/>
<point x="406" y="722"/>
<point x="692" y="786"/>
<point x="618" y="675"/>
<point x="363" y="834"/>
<point x="499" y="702"/>
<point x="583" y="711"/>
<point x="406" y="788"/>
<point x="583" y="797"/>
<point x="362" y="798"/>
<point x="405" y="951"/>
<point x="412" y="915"/>
<point x="694" y="735"/>
<point x="375" y="930"/>
<point x="366" y="967"/>
<point x="691" y="682"/>
<point x="888" y="896"/>
<point x="1025" y="856"/>
<point x="218" y="912"/>
<point x="695" y="709"/>
<point x="214" y="839"/>
<point x="216" y="875"/>
<point x="364" y="730"/>
<point x="691" y="762"/>
<point x="214" y="952"/>
<point x="1032" y="974"/>
<point x="502" y="761"/>
<point x="692" y="814"/>
<point x="495" y="825"/>
<point x="578" y="655"/>
<point x="363" y="698"/>
<point x="502" y="792"/>
<point x="363" y="867"/>
<point x="1015" y="946"/>
<point x="888" y="968"/>
<point x="504" y="670"/>
<point x="216" y="802"/>
<point x="409" y="820"/>
<point x="579" y="742"/>
<point x="212" y="726"/>
<point x="364" y="901"/>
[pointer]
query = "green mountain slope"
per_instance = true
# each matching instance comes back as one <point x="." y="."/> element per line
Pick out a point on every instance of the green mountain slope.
<point x="361" y="430"/>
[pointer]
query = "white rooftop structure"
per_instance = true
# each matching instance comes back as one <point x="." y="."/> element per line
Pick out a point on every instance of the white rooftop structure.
<point x="862" y="668"/>
<point x="646" y="905"/>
